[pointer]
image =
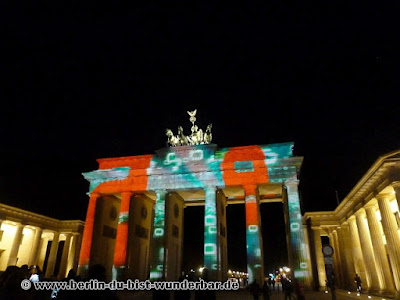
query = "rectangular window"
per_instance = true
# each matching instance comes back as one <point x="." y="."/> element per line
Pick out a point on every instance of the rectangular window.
<point x="396" y="214"/>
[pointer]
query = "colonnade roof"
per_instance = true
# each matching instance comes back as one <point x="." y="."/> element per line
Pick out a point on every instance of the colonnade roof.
<point x="17" y="215"/>
<point x="377" y="179"/>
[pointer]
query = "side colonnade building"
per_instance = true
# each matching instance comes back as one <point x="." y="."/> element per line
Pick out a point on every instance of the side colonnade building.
<point x="27" y="238"/>
<point x="364" y="231"/>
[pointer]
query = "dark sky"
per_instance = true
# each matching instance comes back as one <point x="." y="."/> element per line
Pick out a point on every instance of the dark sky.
<point x="85" y="80"/>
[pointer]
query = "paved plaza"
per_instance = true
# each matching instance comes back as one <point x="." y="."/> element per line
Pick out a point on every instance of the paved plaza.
<point x="244" y="295"/>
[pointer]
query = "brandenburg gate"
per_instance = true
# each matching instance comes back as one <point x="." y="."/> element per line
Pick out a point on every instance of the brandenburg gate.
<point x="134" y="221"/>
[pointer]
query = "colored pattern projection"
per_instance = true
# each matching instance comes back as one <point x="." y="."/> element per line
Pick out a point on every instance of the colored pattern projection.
<point x="253" y="236"/>
<point x="210" y="232"/>
<point x="157" y="266"/>
<point x="122" y="235"/>
<point x="299" y="247"/>
<point x="194" y="167"/>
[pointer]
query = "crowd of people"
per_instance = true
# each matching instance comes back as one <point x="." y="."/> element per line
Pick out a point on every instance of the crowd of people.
<point x="186" y="294"/>
<point x="11" y="278"/>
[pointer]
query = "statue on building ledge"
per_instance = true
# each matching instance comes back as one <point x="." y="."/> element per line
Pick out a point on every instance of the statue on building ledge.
<point x="197" y="137"/>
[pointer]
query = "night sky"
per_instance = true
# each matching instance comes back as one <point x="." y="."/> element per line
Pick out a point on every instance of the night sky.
<point x="84" y="80"/>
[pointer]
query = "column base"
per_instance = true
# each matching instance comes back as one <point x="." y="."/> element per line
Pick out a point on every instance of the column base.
<point x="374" y="291"/>
<point x="119" y="273"/>
<point x="386" y="294"/>
<point x="83" y="270"/>
<point x="397" y="295"/>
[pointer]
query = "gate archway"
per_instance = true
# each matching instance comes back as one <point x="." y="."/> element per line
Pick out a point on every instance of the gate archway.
<point x="188" y="175"/>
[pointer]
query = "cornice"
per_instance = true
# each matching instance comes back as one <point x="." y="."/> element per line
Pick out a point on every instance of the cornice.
<point x="379" y="175"/>
<point x="30" y="218"/>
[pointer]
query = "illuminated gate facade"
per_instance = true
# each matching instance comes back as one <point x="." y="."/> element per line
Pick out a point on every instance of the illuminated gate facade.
<point x="134" y="222"/>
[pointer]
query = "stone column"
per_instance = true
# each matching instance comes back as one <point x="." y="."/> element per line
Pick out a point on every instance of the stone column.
<point x="382" y="263"/>
<point x="332" y="242"/>
<point x="53" y="255"/>
<point x="84" y="257"/>
<point x="158" y="259"/>
<point x="300" y="260"/>
<point x="76" y="244"/>
<point x="255" y="260"/>
<point x="35" y="247"/>
<point x="392" y="236"/>
<point x="366" y="246"/>
<point x="309" y="280"/>
<point x="337" y="256"/>
<point x="121" y="241"/>
<point x="222" y="237"/>
<point x="348" y="255"/>
<point x="358" y="257"/>
<point x="13" y="258"/>
<point x="396" y="188"/>
<point x="211" y="233"/>
<point x="64" y="258"/>
<point x="319" y="256"/>
<point x="347" y="281"/>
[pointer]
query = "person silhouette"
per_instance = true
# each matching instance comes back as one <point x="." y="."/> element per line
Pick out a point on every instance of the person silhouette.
<point x="357" y="280"/>
<point x="266" y="291"/>
<point x="159" y="293"/>
<point x="255" y="289"/>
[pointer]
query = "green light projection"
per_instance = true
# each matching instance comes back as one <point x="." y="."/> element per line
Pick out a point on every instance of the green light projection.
<point x="253" y="239"/>
<point x="184" y="167"/>
<point x="210" y="231"/>
<point x="200" y="167"/>
<point x="297" y="240"/>
<point x="158" y="249"/>
<point x="99" y="176"/>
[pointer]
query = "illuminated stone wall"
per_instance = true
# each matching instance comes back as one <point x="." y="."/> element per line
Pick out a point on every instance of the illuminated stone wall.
<point x="140" y="225"/>
<point x="24" y="238"/>
<point x="106" y="222"/>
<point x="222" y="237"/>
<point x="364" y="231"/>
<point x="210" y="169"/>
<point x="174" y="236"/>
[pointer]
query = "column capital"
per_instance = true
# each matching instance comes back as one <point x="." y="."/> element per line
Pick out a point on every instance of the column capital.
<point x="395" y="184"/>
<point x="210" y="188"/>
<point x="370" y="205"/>
<point x="360" y="212"/>
<point x="330" y="230"/>
<point x="126" y="193"/>
<point x="161" y="191"/>
<point x="291" y="182"/>
<point x="352" y="218"/>
<point x="382" y="196"/>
